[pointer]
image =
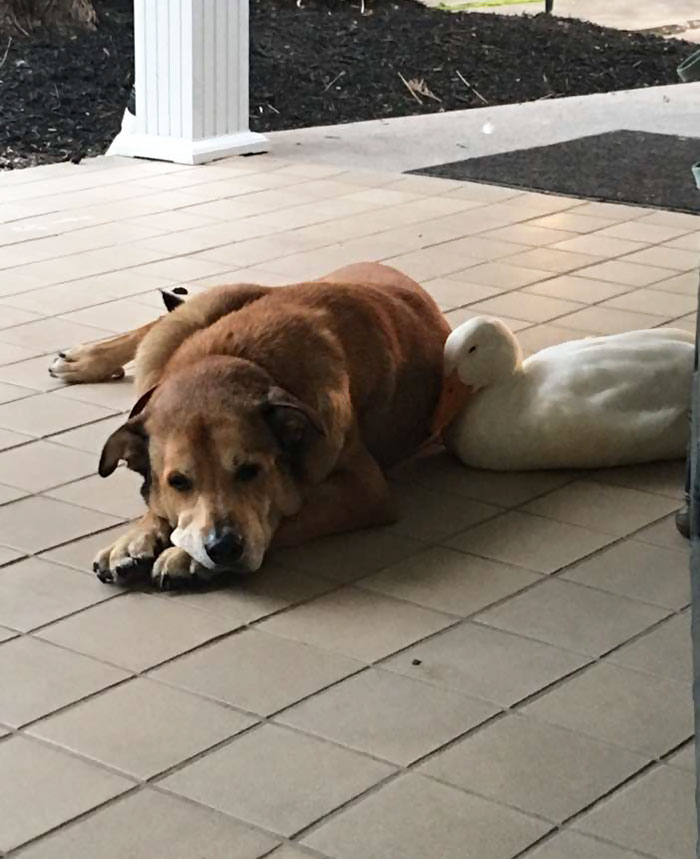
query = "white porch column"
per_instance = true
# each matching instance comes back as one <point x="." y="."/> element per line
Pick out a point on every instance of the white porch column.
<point x="191" y="72"/>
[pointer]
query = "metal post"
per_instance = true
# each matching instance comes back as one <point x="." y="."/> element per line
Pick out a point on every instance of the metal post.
<point x="694" y="464"/>
<point x="191" y="82"/>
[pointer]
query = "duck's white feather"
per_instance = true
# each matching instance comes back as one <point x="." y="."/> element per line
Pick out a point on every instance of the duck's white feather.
<point x="600" y="401"/>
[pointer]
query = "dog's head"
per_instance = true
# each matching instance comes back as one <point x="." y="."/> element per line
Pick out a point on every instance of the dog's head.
<point x="222" y="451"/>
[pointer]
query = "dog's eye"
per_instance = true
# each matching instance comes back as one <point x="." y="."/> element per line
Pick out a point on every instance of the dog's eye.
<point x="247" y="472"/>
<point x="179" y="482"/>
<point x="473" y="349"/>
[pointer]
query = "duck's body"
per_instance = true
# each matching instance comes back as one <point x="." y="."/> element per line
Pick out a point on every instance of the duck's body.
<point x="591" y="403"/>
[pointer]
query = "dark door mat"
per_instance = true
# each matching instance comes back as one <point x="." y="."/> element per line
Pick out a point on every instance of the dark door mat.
<point x="618" y="167"/>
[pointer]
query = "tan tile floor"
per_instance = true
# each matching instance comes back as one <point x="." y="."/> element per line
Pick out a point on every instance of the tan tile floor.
<point x="504" y="673"/>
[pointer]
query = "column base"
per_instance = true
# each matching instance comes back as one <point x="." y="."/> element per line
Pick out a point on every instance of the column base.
<point x="182" y="151"/>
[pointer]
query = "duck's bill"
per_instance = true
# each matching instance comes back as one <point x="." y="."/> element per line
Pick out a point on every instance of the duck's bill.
<point x="453" y="399"/>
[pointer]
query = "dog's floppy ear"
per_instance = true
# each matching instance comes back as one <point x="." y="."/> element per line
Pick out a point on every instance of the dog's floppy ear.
<point x="293" y="422"/>
<point x="129" y="442"/>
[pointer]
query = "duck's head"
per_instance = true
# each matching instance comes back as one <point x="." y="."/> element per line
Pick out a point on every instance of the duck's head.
<point x="477" y="353"/>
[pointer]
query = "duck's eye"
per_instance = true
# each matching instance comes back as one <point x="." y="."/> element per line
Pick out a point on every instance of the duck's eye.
<point x="472" y="349"/>
<point x="247" y="472"/>
<point x="179" y="482"/>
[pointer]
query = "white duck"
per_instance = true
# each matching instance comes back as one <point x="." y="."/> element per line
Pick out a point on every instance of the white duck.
<point x="591" y="403"/>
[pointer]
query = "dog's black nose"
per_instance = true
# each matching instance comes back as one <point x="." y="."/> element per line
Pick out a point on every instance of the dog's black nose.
<point x="225" y="547"/>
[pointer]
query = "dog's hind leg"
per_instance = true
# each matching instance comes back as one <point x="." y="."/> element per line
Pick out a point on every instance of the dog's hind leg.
<point x="105" y="359"/>
<point x="100" y="361"/>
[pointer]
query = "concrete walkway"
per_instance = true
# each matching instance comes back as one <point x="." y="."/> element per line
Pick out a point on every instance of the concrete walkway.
<point x="621" y="14"/>
<point x="408" y="143"/>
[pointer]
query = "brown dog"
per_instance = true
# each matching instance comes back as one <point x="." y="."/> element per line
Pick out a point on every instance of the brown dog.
<point x="267" y="415"/>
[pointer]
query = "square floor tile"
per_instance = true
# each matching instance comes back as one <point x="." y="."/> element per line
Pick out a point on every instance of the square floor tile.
<point x="32" y="373"/>
<point x="663" y="533"/>
<point x="117" y="395"/>
<point x="683" y="284"/>
<point x="534" y="767"/>
<point x="450" y="581"/>
<point x="665" y="651"/>
<point x="287" y="852"/>
<point x="684" y="759"/>
<point x="624" y="271"/>
<point x="35" y="592"/>
<point x="11" y="393"/>
<point x="665" y="257"/>
<point x="548" y="259"/>
<point x="345" y="557"/>
<point x="12" y="439"/>
<point x="572" y="221"/>
<point x="121" y="315"/>
<point x="12" y="316"/>
<point x="362" y="625"/>
<point x="266" y="592"/>
<point x="571" y="845"/>
<point x="523" y="305"/>
<point x="10" y="354"/>
<point x="581" y="289"/>
<point x="656" y="302"/>
<point x="655" y="814"/>
<point x="80" y="554"/>
<point x="608" y="509"/>
<point x="599" y="245"/>
<point x="486" y="663"/>
<point x="40" y="465"/>
<point x="525" y="234"/>
<point x="607" y="320"/>
<point x="47" y="335"/>
<point x="141" y="727"/>
<point x="529" y="541"/>
<point x="34" y="524"/>
<point x="636" y="711"/>
<point x="455" y="293"/>
<point x="539" y="337"/>
<point x="412" y="818"/>
<point x="256" y="671"/>
<point x="572" y="616"/>
<point x="150" y="825"/>
<point x="91" y="437"/>
<point x="636" y="232"/>
<point x="136" y="631"/>
<point x="38" y="678"/>
<point x="455" y="318"/>
<point x="44" y="414"/>
<point x="639" y="571"/>
<point x="388" y="716"/>
<point x="434" y="516"/>
<point x="8" y="556"/>
<point x="503" y="275"/>
<point x="277" y="779"/>
<point x="661" y="478"/>
<point x="119" y="495"/>
<point x="443" y="473"/>
<point x="33" y="792"/>
<point x="10" y="493"/>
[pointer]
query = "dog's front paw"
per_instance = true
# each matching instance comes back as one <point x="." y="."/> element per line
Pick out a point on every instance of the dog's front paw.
<point x="176" y="569"/>
<point x="132" y="555"/>
<point x="84" y="364"/>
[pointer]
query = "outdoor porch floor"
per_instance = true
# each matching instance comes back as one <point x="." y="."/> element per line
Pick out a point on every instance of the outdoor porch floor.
<point x="509" y="666"/>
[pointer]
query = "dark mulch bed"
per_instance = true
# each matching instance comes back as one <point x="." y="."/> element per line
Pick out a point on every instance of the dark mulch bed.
<point x="618" y="167"/>
<point x="325" y="63"/>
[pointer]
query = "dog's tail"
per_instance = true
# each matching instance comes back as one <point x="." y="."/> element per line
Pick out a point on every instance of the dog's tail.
<point x="173" y="299"/>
